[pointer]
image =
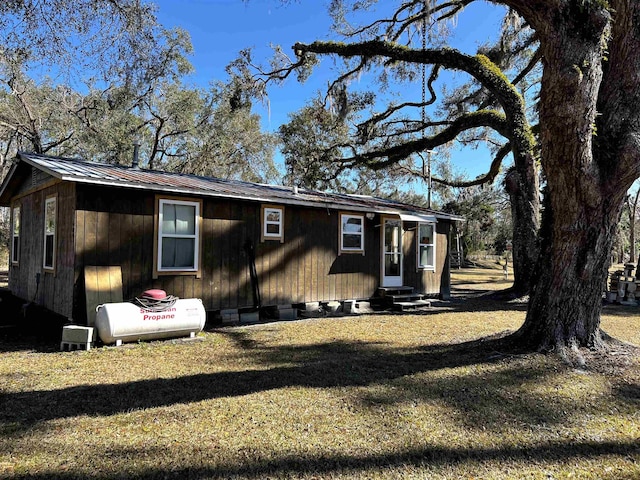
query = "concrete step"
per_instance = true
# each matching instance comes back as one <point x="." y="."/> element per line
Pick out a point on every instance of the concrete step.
<point x="386" y="291"/>
<point x="410" y="305"/>
<point x="406" y="298"/>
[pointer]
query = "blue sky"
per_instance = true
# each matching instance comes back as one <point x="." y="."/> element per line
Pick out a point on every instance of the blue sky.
<point x="219" y="29"/>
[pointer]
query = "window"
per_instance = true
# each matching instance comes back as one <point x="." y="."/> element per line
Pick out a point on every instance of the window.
<point x="351" y="233"/>
<point x="50" y="233"/>
<point x="426" y="246"/>
<point x="272" y="223"/>
<point x="15" y="236"/>
<point x="178" y="236"/>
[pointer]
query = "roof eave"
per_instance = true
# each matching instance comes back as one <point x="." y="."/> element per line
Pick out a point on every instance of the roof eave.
<point x="5" y="195"/>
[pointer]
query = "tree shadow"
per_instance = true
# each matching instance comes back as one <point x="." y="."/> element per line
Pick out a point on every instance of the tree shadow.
<point x="629" y="393"/>
<point x="483" y="397"/>
<point x="617" y="310"/>
<point x="480" y="303"/>
<point x="316" y="466"/>
<point x="326" y="365"/>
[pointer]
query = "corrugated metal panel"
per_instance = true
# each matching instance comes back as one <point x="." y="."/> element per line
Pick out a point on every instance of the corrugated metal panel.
<point x="115" y="175"/>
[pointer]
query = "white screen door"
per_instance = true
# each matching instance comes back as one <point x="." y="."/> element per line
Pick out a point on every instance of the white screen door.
<point x="391" y="252"/>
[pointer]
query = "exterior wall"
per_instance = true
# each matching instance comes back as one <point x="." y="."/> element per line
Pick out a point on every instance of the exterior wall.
<point x="425" y="281"/>
<point x="27" y="279"/>
<point x="113" y="227"/>
<point x="306" y="267"/>
<point x="117" y="227"/>
<point x="104" y="226"/>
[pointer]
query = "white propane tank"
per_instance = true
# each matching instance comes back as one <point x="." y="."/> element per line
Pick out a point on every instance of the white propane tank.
<point x="126" y="322"/>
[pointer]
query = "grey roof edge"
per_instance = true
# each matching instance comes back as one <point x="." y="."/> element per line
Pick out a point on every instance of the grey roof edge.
<point x="352" y="202"/>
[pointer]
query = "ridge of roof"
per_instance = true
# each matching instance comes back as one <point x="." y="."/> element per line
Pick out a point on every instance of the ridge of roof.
<point x="82" y="171"/>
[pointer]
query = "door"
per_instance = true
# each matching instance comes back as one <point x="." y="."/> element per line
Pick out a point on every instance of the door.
<point x="391" y="252"/>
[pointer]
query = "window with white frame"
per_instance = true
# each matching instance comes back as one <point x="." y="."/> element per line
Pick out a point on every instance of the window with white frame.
<point x="426" y="246"/>
<point x="15" y="235"/>
<point x="272" y="223"/>
<point x="351" y="233"/>
<point x="178" y="235"/>
<point x="50" y="221"/>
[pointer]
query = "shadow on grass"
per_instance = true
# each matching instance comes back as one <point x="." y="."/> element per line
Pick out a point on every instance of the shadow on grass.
<point x="289" y="466"/>
<point x="478" y="301"/>
<point x="41" y="330"/>
<point x="26" y="326"/>
<point x="335" y="364"/>
<point x="485" y="399"/>
<point x="617" y="310"/>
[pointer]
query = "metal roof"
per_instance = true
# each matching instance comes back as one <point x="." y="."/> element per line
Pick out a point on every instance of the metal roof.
<point x="74" y="170"/>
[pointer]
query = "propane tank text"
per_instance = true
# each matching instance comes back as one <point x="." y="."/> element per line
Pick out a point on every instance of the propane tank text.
<point x="167" y="314"/>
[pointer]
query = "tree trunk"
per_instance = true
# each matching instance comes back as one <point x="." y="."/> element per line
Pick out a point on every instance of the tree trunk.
<point x="581" y="207"/>
<point x="566" y="301"/>
<point x="632" y="240"/>
<point x="522" y="185"/>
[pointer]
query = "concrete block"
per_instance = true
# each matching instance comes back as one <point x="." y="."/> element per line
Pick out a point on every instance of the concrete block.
<point x="229" y="316"/>
<point x="312" y="306"/>
<point x="77" y="334"/>
<point x="249" y="317"/>
<point x="349" y="306"/>
<point x="364" y="307"/>
<point x="76" y="337"/>
<point x="333" y="307"/>
<point x="287" y="314"/>
<point x="356" y="307"/>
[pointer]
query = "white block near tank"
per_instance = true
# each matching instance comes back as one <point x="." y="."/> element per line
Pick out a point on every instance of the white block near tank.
<point x="76" y="337"/>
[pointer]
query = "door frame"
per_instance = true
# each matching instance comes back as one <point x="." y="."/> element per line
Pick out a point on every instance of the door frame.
<point x="391" y="280"/>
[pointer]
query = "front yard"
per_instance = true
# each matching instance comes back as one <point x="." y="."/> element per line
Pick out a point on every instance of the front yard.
<point x="376" y="396"/>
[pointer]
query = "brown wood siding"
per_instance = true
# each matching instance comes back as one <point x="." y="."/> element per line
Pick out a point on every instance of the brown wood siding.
<point x="113" y="227"/>
<point x="55" y="288"/>
<point x="116" y="227"/>
<point x="306" y="267"/>
<point x="423" y="280"/>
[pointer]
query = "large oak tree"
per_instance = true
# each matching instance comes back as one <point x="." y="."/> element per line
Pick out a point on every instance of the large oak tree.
<point x="588" y="142"/>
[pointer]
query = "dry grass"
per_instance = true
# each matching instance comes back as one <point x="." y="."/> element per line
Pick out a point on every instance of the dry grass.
<point x="379" y="396"/>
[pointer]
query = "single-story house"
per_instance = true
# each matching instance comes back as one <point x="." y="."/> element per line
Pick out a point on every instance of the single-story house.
<point x="232" y="244"/>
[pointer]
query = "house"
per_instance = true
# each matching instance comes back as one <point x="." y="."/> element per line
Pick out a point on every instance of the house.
<point x="233" y="244"/>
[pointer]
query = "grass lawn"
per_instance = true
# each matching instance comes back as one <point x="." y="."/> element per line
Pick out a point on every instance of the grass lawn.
<point x="377" y="396"/>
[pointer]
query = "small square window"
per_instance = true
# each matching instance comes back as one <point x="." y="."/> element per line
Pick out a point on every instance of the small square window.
<point x="351" y="233"/>
<point x="272" y="223"/>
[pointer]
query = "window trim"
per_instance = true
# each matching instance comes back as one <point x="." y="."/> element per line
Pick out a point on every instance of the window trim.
<point x="359" y="250"/>
<point x="15" y="238"/>
<point x="157" y="243"/>
<point x="265" y="236"/>
<point x="419" y="242"/>
<point x="50" y="199"/>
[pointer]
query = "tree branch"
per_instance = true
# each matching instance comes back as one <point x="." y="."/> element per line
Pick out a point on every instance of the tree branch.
<point x="488" y="177"/>
<point x="395" y="153"/>
<point x="478" y="66"/>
